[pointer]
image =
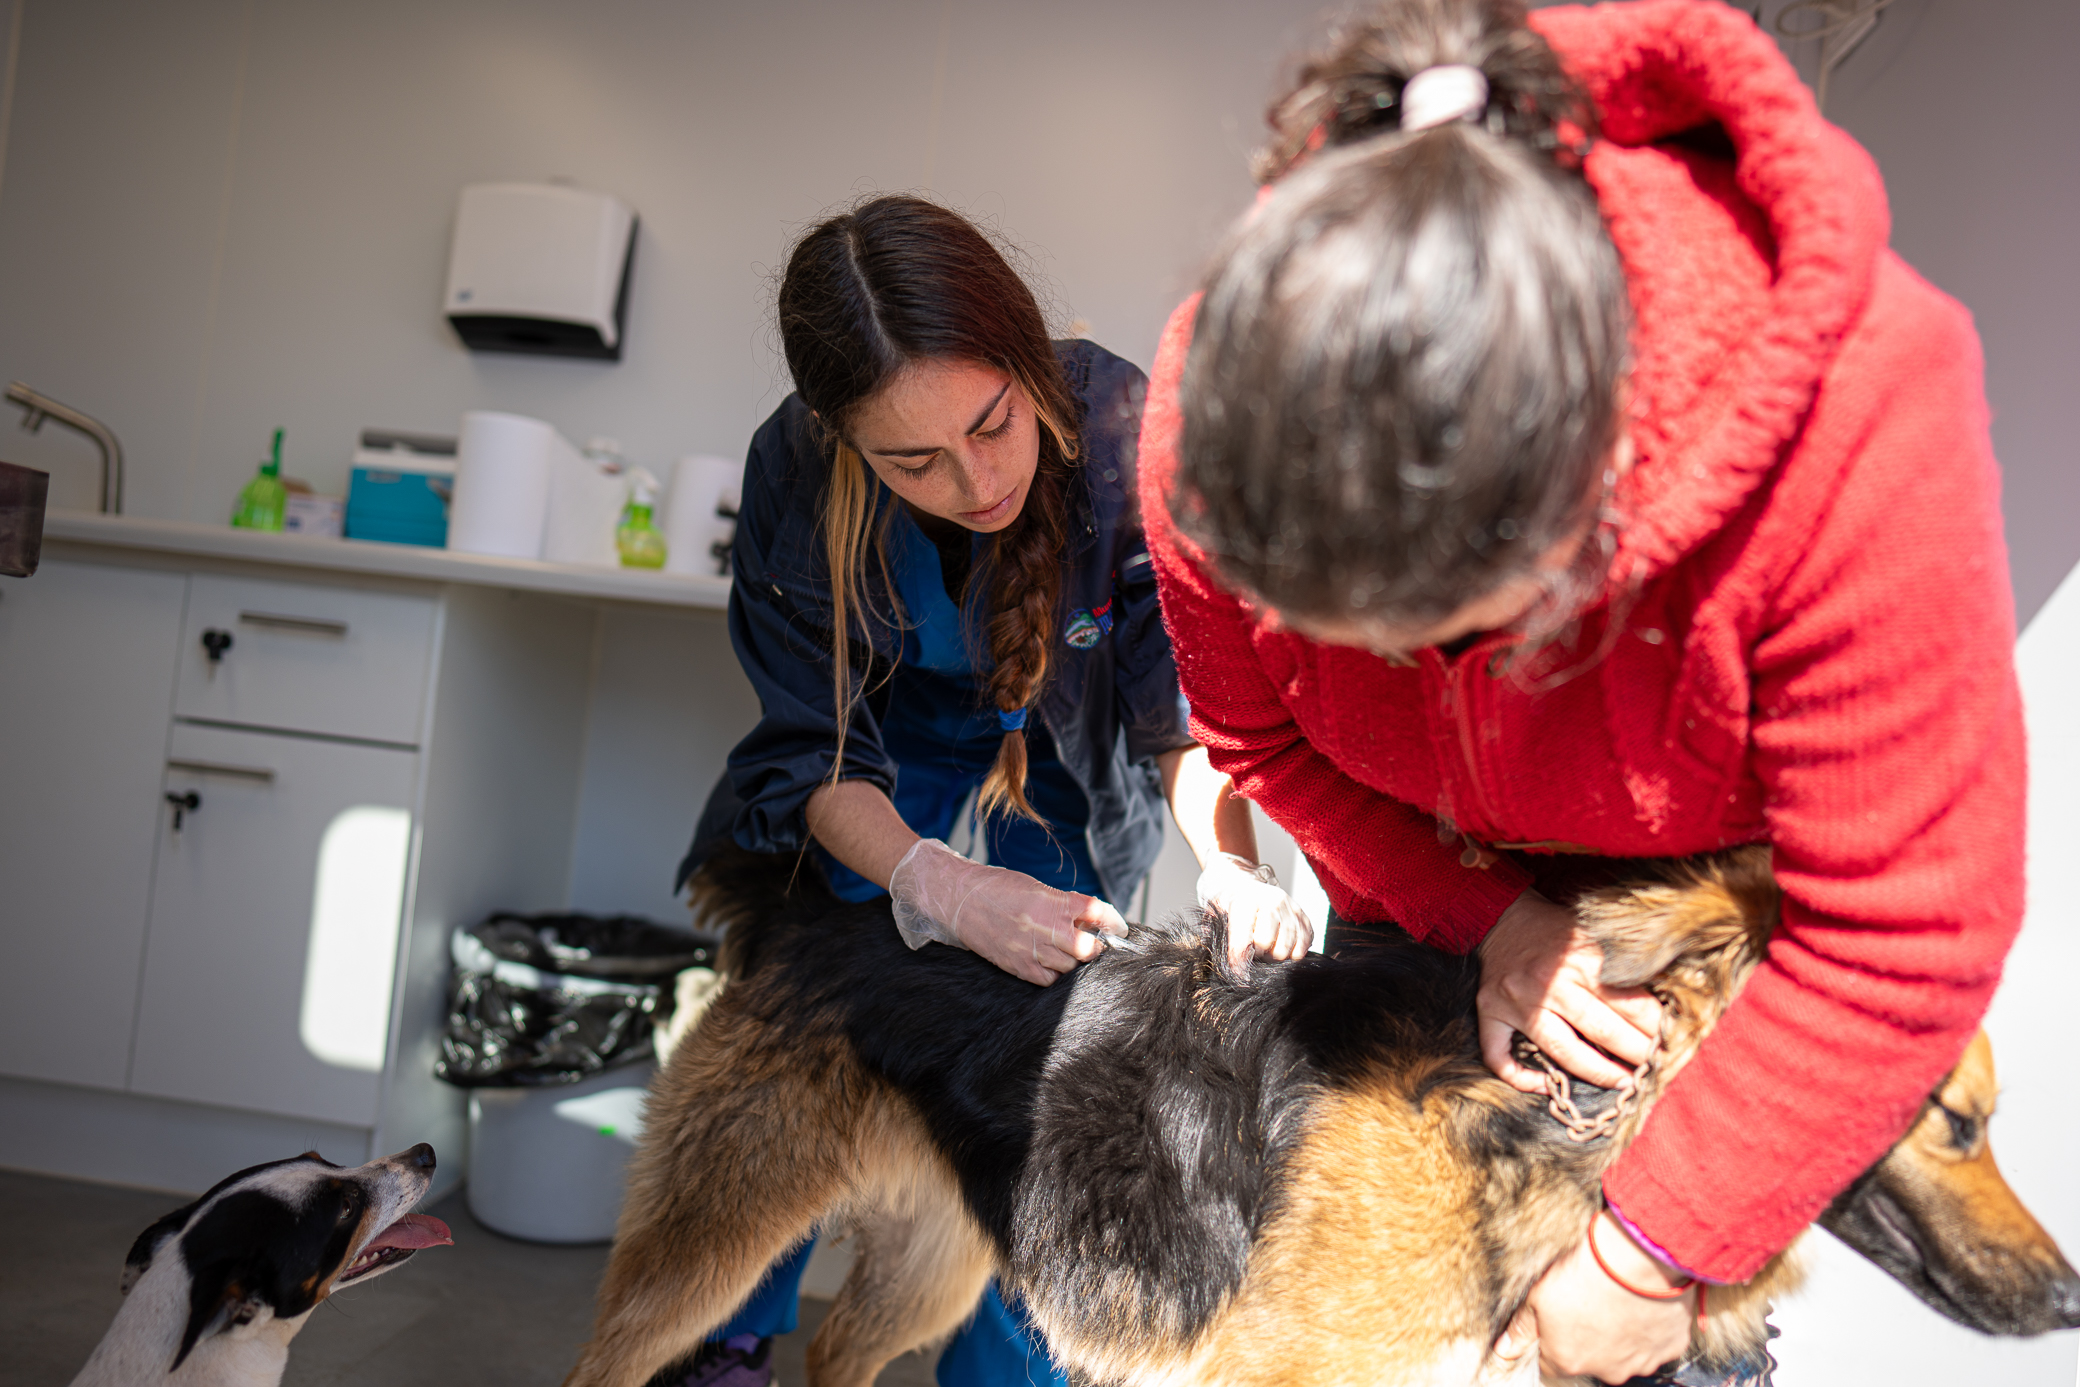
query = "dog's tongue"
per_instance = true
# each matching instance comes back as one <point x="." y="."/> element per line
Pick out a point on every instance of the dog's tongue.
<point x="412" y="1231"/>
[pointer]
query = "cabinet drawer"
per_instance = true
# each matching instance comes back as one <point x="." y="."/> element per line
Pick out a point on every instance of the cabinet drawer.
<point x="275" y="919"/>
<point x="337" y="661"/>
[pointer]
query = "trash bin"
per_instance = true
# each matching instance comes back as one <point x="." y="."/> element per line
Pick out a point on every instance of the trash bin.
<point x="551" y="1024"/>
<point x="549" y="1164"/>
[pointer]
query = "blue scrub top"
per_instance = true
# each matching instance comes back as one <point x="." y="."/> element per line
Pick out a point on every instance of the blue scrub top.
<point x="943" y="736"/>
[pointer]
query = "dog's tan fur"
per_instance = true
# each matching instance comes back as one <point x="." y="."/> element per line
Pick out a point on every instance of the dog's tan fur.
<point x="766" y="1126"/>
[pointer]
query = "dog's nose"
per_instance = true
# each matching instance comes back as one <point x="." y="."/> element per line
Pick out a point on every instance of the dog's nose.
<point x="2065" y="1300"/>
<point x="420" y="1156"/>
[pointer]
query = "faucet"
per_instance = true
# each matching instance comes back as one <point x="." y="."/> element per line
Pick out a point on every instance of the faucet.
<point x="38" y="407"/>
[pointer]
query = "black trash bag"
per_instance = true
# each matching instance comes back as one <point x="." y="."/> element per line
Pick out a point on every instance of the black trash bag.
<point x="537" y="1000"/>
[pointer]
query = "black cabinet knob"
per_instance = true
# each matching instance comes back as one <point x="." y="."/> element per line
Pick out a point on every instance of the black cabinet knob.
<point x="182" y="806"/>
<point x="216" y="643"/>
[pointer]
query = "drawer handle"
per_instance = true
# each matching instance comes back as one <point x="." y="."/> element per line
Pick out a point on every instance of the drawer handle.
<point x="260" y="773"/>
<point x="309" y="625"/>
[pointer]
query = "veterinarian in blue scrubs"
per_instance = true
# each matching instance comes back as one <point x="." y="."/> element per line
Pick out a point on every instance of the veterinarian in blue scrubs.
<point x="956" y="494"/>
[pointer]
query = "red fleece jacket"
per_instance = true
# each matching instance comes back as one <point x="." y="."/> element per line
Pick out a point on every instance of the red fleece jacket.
<point x="1813" y="648"/>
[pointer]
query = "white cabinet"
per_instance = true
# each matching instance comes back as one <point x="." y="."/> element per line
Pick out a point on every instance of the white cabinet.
<point x="246" y="957"/>
<point x="378" y="757"/>
<point x="274" y="923"/>
<point x="87" y="656"/>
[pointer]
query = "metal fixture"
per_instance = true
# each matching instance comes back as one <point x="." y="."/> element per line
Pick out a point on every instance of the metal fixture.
<point x="1838" y="25"/>
<point x="310" y="625"/>
<point x="263" y="774"/>
<point x="183" y="805"/>
<point x="37" y="407"/>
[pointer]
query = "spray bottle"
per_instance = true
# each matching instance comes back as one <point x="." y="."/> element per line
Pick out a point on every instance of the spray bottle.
<point x="638" y="538"/>
<point x="262" y="500"/>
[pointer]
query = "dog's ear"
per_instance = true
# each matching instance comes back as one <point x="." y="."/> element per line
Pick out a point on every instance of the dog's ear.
<point x="217" y="1302"/>
<point x="1713" y="906"/>
<point x="254" y="1252"/>
<point x="226" y="1251"/>
<point x="151" y="1240"/>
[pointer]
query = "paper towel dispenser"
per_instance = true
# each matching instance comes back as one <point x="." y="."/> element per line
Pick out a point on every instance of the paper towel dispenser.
<point x="541" y="268"/>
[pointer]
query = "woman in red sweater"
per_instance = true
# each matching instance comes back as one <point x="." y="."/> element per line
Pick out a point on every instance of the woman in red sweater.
<point x="1559" y="463"/>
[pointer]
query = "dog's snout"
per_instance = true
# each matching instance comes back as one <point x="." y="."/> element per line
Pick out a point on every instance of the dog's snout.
<point x="2065" y="1301"/>
<point x="420" y="1156"/>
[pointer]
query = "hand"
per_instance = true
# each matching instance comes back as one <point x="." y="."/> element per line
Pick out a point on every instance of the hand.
<point x="1542" y="974"/>
<point x="1024" y="927"/>
<point x="1260" y="915"/>
<point x="1589" y="1325"/>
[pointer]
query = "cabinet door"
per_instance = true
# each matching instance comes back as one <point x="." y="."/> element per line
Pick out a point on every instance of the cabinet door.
<point x="274" y="924"/>
<point x="87" y="657"/>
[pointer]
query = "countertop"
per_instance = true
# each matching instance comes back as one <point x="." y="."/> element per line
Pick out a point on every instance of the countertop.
<point x="389" y="560"/>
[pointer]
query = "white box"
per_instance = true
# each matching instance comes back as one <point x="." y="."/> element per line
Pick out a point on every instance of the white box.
<point x="306" y="514"/>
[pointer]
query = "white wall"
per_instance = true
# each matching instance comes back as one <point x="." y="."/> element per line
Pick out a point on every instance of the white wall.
<point x="217" y="216"/>
<point x="668" y="703"/>
<point x="1961" y="103"/>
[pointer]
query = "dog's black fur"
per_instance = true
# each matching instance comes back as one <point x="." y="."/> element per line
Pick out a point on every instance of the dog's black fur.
<point x="1127" y="1123"/>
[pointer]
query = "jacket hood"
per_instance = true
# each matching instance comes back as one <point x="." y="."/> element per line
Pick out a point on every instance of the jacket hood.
<point x="1744" y="276"/>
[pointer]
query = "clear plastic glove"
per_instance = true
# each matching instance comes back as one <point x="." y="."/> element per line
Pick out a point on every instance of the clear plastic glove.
<point x="1260" y="915"/>
<point x="1023" y="926"/>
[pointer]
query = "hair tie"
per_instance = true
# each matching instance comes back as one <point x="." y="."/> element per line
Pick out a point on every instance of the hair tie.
<point x="1013" y="721"/>
<point x="1440" y="95"/>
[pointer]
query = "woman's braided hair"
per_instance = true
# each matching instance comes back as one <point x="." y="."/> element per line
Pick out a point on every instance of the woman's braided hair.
<point x="895" y="281"/>
<point x="1025" y="590"/>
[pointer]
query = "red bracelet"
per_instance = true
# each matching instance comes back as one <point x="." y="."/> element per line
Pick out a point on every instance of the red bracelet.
<point x="1597" y="1253"/>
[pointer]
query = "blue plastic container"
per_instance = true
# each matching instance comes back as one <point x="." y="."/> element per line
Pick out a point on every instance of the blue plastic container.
<point x="400" y="499"/>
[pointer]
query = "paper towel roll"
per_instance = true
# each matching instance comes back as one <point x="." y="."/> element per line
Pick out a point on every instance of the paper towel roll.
<point x="584" y="508"/>
<point x="692" y="526"/>
<point x="502" y="466"/>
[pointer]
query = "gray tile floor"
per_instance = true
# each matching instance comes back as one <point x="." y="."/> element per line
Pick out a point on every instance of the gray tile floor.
<point x="487" y="1310"/>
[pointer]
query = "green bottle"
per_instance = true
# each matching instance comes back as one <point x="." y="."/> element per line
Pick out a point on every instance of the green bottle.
<point x="638" y="538"/>
<point x="262" y="500"/>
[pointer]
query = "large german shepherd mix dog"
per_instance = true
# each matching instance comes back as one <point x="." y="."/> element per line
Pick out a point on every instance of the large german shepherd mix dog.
<point x="1184" y="1169"/>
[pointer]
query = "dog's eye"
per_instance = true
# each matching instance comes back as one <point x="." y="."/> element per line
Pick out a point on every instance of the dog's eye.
<point x="1964" y="1129"/>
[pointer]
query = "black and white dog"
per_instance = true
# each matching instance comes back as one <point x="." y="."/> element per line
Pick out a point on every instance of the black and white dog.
<point x="214" y="1292"/>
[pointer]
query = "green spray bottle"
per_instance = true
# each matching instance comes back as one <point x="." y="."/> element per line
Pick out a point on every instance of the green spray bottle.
<point x="262" y="500"/>
<point x="640" y="543"/>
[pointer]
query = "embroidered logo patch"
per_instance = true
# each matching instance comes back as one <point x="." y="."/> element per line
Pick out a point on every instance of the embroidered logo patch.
<point x="1087" y="628"/>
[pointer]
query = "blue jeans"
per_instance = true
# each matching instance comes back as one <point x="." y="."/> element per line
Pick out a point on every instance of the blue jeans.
<point x="998" y="1347"/>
